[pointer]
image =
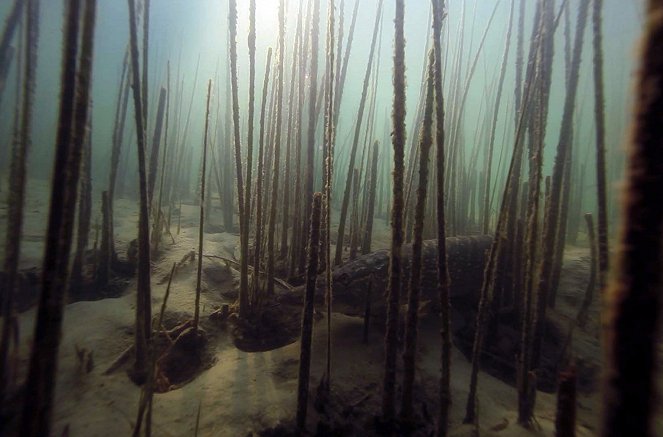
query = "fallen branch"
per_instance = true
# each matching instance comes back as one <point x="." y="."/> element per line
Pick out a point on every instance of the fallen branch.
<point x="229" y="262"/>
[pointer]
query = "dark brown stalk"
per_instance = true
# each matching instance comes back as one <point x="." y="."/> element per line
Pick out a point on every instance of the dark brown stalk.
<point x="201" y="225"/>
<point x="565" y="419"/>
<point x="146" y="40"/>
<point x="494" y="258"/>
<point x="118" y="135"/>
<point x="74" y="112"/>
<point x="18" y="180"/>
<point x="328" y="179"/>
<point x="143" y="295"/>
<point x="156" y="145"/>
<point x="394" y="286"/>
<point x="297" y="253"/>
<point x="7" y="35"/>
<point x="519" y="60"/>
<point x="249" y="153"/>
<point x="367" y="311"/>
<point x="277" y="154"/>
<point x="103" y="272"/>
<point x="160" y="221"/>
<point x="293" y="121"/>
<point x="541" y="70"/>
<point x="346" y="59"/>
<point x="634" y="295"/>
<point x="260" y="176"/>
<point x="244" y="233"/>
<point x="368" y="228"/>
<point x="599" y="103"/>
<point x="84" y="213"/>
<point x="552" y="214"/>
<point x="491" y="141"/>
<point x="307" y="314"/>
<point x="353" y="152"/>
<point x="442" y="269"/>
<point x="312" y="121"/>
<point x="411" y="327"/>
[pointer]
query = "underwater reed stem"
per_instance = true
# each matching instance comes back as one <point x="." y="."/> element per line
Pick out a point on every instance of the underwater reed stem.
<point x="442" y="267"/>
<point x="143" y="296"/>
<point x="307" y="314"/>
<point x="201" y="225"/>
<point x="599" y="116"/>
<point x="394" y="286"/>
<point x="634" y="294"/>
<point x="18" y="180"/>
<point x="244" y="233"/>
<point x="411" y="327"/>
<point x="74" y="112"/>
<point x="353" y="152"/>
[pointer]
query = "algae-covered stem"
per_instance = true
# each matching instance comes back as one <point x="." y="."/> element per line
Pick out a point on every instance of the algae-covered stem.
<point x="394" y="286"/>
<point x="442" y="267"/>
<point x="244" y="234"/>
<point x="260" y="176"/>
<point x="17" y="180"/>
<point x="329" y="169"/>
<point x="143" y="306"/>
<point x="599" y="103"/>
<point x="201" y="227"/>
<point x="277" y="153"/>
<point x="360" y="116"/>
<point x="634" y="295"/>
<point x="251" y="41"/>
<point x="554" y="217"/>
<point x="493" y="125"/>
<point x="307" y="316"/>
<point x="411" y="327"/>
<point x="7" y="35"/>
<point x="312" y="121"/>
<point x="74" y="111"/>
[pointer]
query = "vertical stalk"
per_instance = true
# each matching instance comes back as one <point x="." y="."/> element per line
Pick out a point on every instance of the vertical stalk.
<point x="411" y="327"/>
<point x="398" y="143"/>
<point x="201" y="225"/>
<point x="74" y="112"/>
<point x="18" y="180"/>
<point x="442" y="268"/>
<point x="307" y="313"/>
<point x="599" y="115"/>
<point x="634" y="295"/>
<point x="244" y="233"/>
<point x="277" y="154"/>
<point x="144" y="302"/>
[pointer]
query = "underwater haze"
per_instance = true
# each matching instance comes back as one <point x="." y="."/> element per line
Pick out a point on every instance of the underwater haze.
<point x="256" y="217"/>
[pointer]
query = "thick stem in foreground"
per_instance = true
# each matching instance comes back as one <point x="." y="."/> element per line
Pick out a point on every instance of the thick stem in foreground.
<point x="74" y="110"/>
<point x="634" y="296"/>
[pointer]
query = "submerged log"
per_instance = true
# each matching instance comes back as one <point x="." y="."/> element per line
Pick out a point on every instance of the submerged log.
<point x="350" y="281"/>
